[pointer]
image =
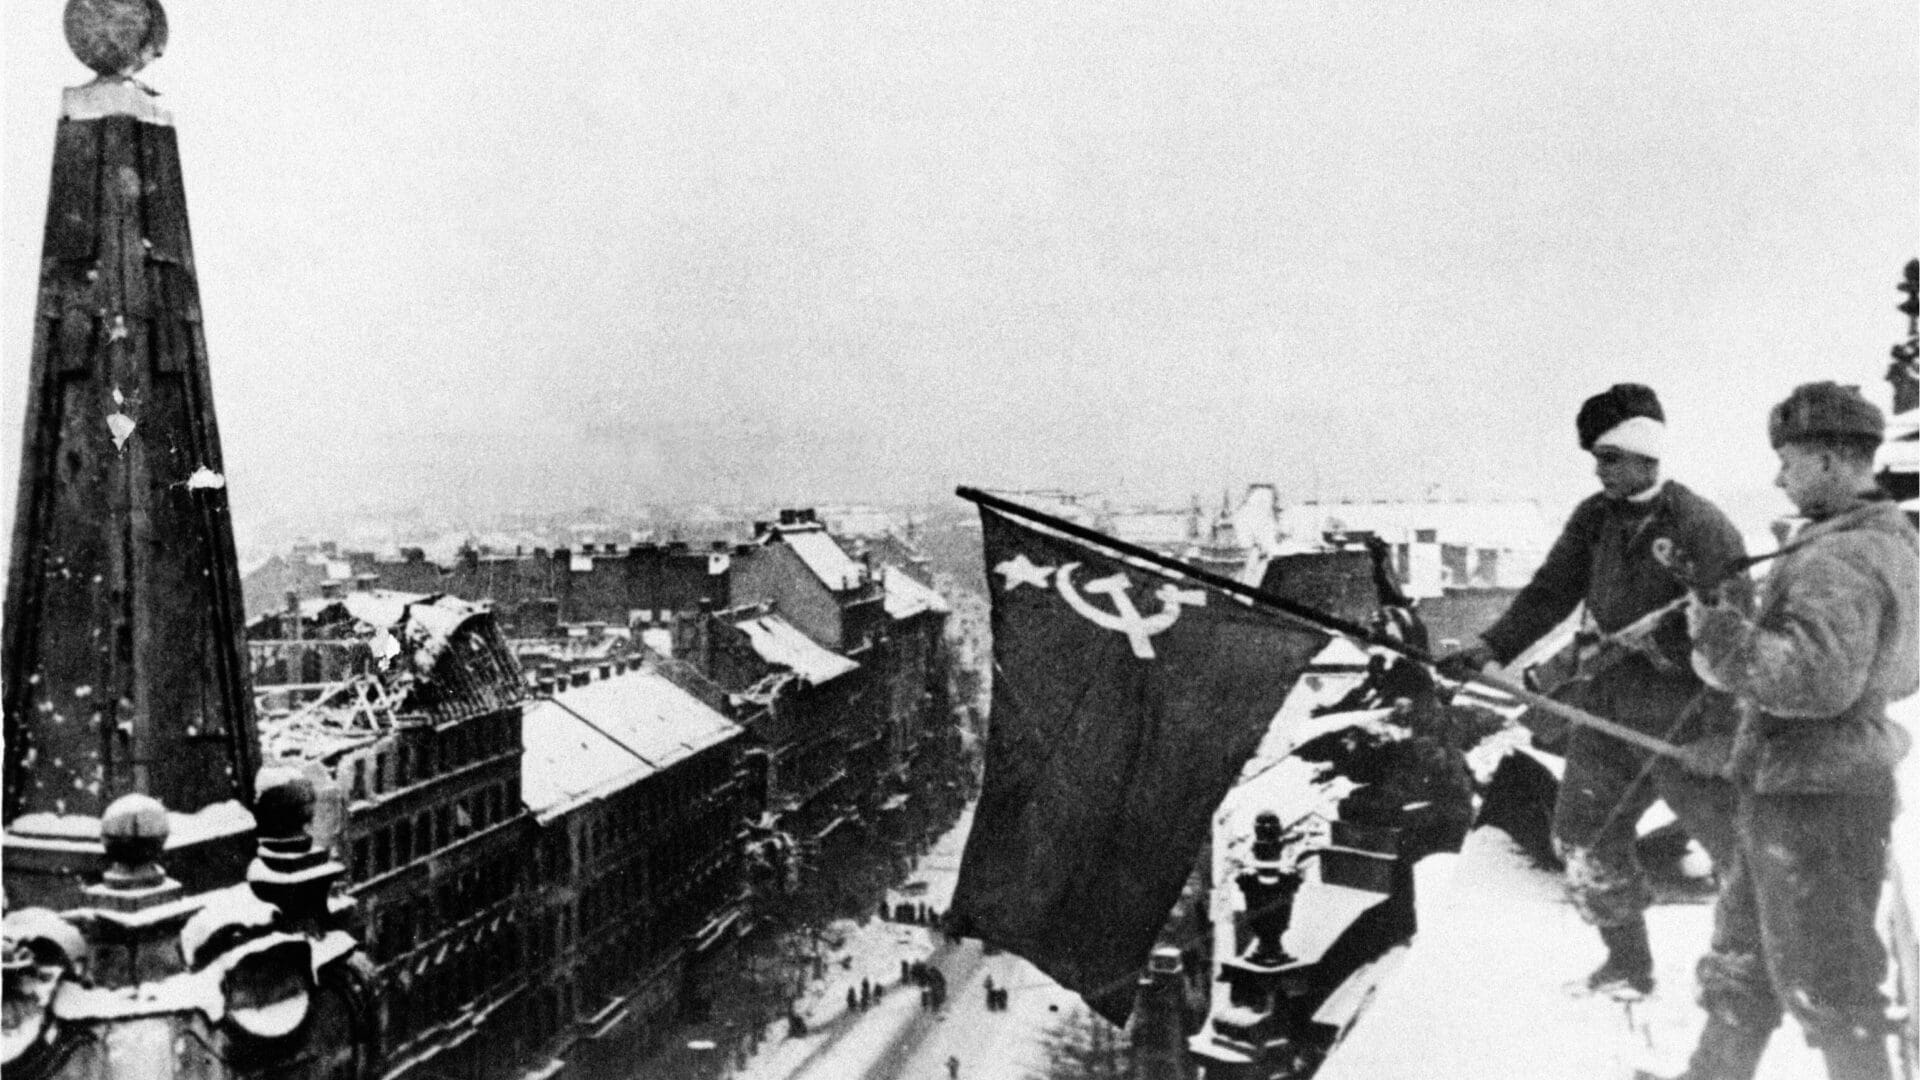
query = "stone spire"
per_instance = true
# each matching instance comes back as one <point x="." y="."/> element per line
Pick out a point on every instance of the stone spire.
<point x="124" y="660"/>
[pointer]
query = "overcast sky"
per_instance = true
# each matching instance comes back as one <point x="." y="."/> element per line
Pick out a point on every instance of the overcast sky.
<point x="495" y="255"/>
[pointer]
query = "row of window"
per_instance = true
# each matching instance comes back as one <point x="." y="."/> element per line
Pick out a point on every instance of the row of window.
<point x="559" y="1006"/>
<point x="659" y="802"/>
<point x="651" y="875"/>
<point x="473" y="972"/>
<point x="421" y="834"/>
<point x="404" y="924"/>
<point x="421" y="753"/>
<point x="644" y="931"/>
<point x="648" y="895"/>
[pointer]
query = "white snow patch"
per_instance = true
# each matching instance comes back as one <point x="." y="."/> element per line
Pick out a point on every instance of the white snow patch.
<point x="59" y="826"/>
<point x="121" y="426"/>
<point x="1482" y="992"/>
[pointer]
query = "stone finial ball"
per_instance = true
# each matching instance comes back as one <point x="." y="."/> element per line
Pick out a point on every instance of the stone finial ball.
<point x="134" y="829"/>
<point x="283" y="801"/>
<point x="116" y="37"/>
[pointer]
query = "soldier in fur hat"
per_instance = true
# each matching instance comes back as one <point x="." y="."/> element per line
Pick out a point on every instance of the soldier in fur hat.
<point x="1832" y="642"/>
<point x="1605" y="559"/>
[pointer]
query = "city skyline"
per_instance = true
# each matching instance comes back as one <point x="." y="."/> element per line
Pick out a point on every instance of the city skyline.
<point x="459" y="259"/>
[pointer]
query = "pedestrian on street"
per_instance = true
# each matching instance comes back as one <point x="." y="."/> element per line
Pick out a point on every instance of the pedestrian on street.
<point x="866" y="994"/>
<point x="1833" y="641"/>
<point x="1609" y="558"/>
<point x="853" y="1000"/>
<point x="953" y="1067"/>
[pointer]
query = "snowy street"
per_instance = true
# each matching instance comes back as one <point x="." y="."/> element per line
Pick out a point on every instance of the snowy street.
<point x="898" y="1036"/>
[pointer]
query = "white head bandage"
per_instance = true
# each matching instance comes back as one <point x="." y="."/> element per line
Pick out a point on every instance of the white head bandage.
<point x="1641" y="435"/>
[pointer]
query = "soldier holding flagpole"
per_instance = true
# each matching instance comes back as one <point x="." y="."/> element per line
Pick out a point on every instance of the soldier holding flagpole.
<point x="1609" y="558"/>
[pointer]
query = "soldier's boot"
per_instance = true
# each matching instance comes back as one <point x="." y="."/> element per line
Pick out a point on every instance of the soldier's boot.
<point x="1629" y="964"/>
<point x="1858" y="1059"/>
<point x="1724" y="1052"/>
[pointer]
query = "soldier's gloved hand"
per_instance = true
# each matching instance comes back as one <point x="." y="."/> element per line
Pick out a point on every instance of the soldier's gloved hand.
<point x="1462" y="663"/>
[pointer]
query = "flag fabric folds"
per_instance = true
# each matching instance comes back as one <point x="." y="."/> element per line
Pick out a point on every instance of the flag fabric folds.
<point x="1125" y="702"/>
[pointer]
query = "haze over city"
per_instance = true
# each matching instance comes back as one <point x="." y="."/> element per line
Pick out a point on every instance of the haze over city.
<point x="504" y="259"/>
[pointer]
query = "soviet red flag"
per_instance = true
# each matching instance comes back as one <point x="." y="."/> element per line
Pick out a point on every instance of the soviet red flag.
<point x="1125" y="702"/>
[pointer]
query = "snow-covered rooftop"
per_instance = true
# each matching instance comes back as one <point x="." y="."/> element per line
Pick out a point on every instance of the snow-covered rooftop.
<point x="1481" y="992"/>
<point x="906" y="597"/>
<point x="1153" y="526"/>
<point x="824" y="557"/>
<point x="781" y="643"/>
<point x="592" y="740"/>
<point x="1511" y="524"/>
<point x="864" y="521"/>
<point x="337" y="569"/>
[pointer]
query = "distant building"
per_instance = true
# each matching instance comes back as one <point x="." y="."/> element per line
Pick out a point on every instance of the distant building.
<point x="638" y="798"/>
<point x="1440" y="545"/>
<point x="538" y="873"/>
<point x="536" y="590"/>
<point x="826" y="671"/>
<point x="408" y="708"/>
<point x="798" y="566"/>
<point x="806" y="706"/>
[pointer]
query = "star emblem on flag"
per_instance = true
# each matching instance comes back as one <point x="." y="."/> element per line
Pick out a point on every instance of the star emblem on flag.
<point x="1021" y="570"/>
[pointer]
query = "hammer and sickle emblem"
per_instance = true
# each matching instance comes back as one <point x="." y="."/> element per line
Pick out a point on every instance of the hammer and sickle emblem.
<point x="1124" y="617"/>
